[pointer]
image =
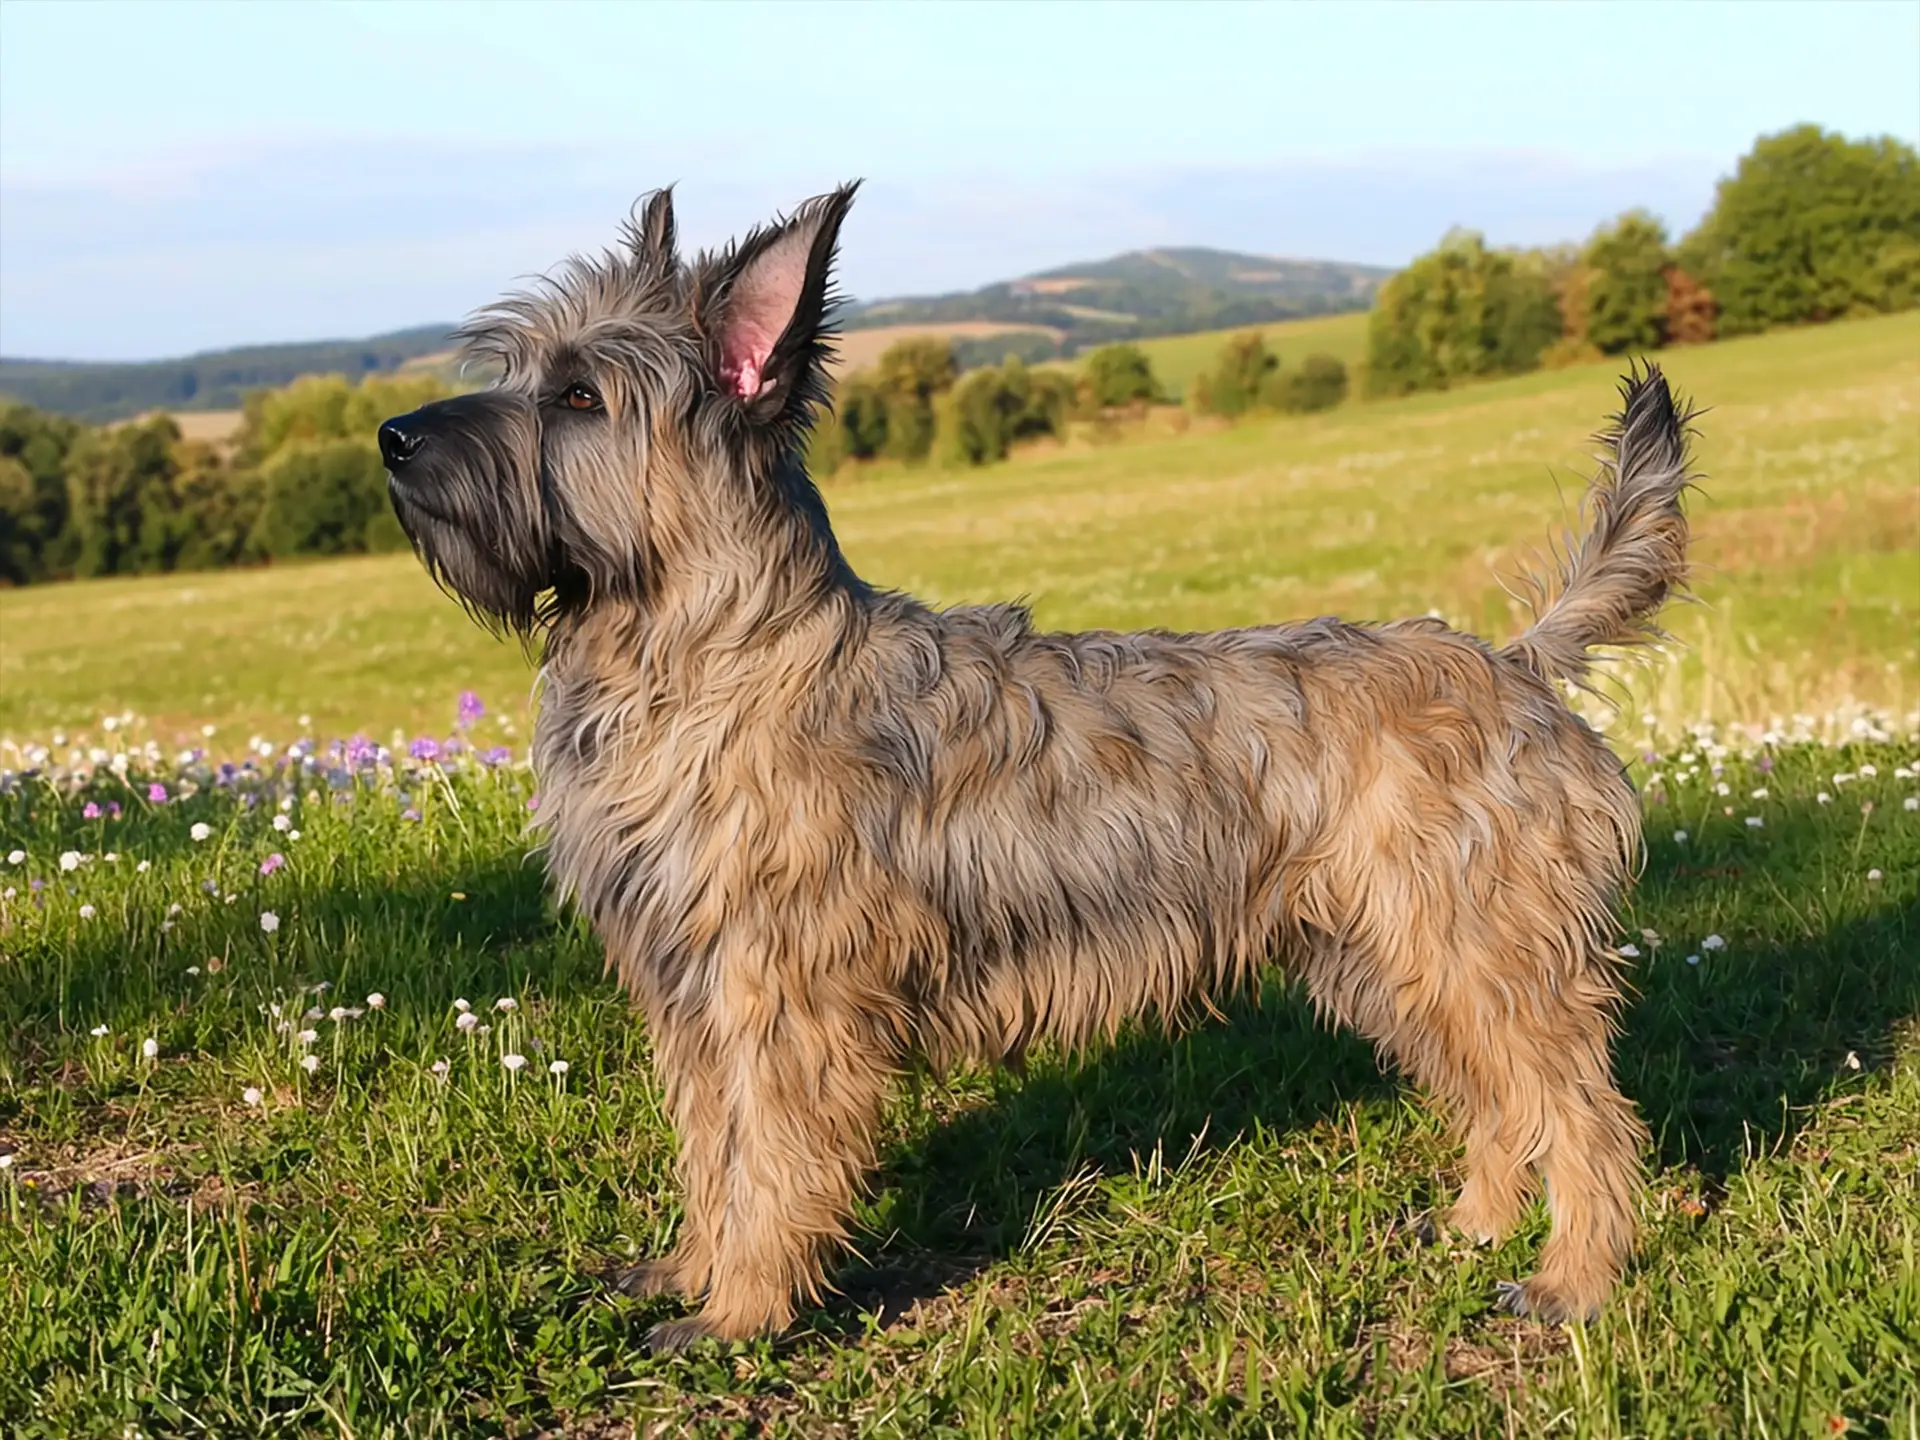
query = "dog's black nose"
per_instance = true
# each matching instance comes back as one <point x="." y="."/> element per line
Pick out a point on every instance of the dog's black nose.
<point x="400" y="441"/>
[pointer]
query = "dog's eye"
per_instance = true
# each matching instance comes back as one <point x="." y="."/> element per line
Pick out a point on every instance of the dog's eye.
<point x="580" y="397"/>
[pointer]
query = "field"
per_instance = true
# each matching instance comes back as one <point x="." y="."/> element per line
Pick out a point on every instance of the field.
<point x="1180" y="359"/>
<point x="257" y="1176"/>
<point x="1808" y="532"/>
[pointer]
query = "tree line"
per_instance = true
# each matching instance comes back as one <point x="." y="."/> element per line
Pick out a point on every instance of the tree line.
<point x="1810" y="227"/>
<point x="303" y="477"/>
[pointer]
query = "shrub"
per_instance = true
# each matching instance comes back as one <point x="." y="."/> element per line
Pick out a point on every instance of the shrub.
<point x="910" y="374"/>
<point x="326" y="407"/>
<point x="1459" y="313"/>
<point x="1691" y="311"/>
<point x="992" y="409"/>
<point x="1240" y="378"/>
<point x="1626" y="292"/>
<point x="1116" y="375"/>
<point x="35" y="539"/>
<point x="1319" y="384"/>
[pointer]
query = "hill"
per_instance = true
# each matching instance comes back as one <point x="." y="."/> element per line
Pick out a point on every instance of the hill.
<point x="1142" y="293"/>
<point x="1040" y="317"/>
<point x="213" y="380"/>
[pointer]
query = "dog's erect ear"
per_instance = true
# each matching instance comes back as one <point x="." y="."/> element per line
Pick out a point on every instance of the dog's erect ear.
<point x="767" y="328"/>
<point x="650" y="235"/>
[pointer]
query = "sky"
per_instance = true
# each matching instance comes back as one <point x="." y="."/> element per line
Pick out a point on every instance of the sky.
<point x="181" y="177"/>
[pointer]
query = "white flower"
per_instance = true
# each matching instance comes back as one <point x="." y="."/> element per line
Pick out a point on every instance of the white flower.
<point x="282" y="823"/>
<point x="462" y="1006"/>
<point x="98" y="1031"/>
<point x="1755" y="822"/>
<point x="1630" y="952"/>
<point x="1843" y="777"/>
<point x="144" y="866"/>
<point x="505" y="1003"/>
<point x="337" y="1014"/>
<point x="307" y="1037"/>
<point x="1852" y="1061"/>
<point x="376" y="1001"/>
<point x="558" y="1067"/>
<point x="293" y="834"/>
<point x="6" y="1161"/>
<point x="1874" y="877"/>
<point x="467" y="1020"/>
<point x="69" y="859"/>
<point x="513" y="1062"/>
<point x="16" y="857"/>
<point x="314" y="1012"/>
<point x="251" y="1095"/>
<point x="112" y="857"/>
<point x="149" y="1047"/>
<point x="1652" y="937"/>
<point x="440" y="1068"/>
<point x="1713" y="942"/>
<point x="310" y="1063"/>
<point x="269" y="921"/>
<point x="1912" y="802"/>
<point x="165" y="926"/>
<point x="1759" y="794"/>
<point x="193" y="969"/>
<point x="1868" y="771"/>
<point x="201" y="830"/>
<point x="1693" y="959"/>
<point x="1679" y="837"/>
<point x="1824" y="798"/>
<point x="87" y="912"/>
<point x="207" y="730"/>
<point x="174" y="909"/>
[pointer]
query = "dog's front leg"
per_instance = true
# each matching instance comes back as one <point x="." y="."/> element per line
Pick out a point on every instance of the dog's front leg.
<point x="777" y="1146"/>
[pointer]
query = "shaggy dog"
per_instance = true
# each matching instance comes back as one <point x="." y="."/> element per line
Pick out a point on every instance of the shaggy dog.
<point x="825" y="830"/>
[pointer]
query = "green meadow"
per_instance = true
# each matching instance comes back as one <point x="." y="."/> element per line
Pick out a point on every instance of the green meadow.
<point x="259" y="1177"/>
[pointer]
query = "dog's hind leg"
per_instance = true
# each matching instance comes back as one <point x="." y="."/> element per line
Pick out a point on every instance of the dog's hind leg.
<point x="801" y="1086"/>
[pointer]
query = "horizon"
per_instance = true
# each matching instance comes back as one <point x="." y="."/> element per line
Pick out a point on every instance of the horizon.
<point x="323" y="224"/>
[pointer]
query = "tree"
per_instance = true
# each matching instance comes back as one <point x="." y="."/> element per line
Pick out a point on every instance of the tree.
<point x="326" y="407"/>
<point x="1626" y="285"/>
<point x="1691" y="310"/>
<point x="1810" y="226"/>
<point x="910" y="374"/>
<point x="121" y="498"/>
<point x="1459" y="313"/>
<point x="35" y="539"/>
<point x="327" y="497"/>
<point x="1116" y="375"/>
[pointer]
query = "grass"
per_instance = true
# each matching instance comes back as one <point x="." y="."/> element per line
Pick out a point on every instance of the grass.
<point x="1808" y="535"/>
<point x="1212" y="1234"/>
<point x="1179" y="360"/>
<point x="1208" y="1235"/>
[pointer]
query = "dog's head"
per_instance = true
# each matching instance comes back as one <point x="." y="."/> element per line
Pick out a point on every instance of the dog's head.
<point x="646" y="409"/>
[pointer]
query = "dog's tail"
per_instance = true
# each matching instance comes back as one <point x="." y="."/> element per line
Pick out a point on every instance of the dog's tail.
<point x="1633" y="555"/>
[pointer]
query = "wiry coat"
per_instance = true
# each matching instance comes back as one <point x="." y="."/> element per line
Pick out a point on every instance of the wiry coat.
<point x="823" y="828"/>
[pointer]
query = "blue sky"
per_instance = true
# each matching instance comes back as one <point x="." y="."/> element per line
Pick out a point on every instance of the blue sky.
<point x="176" y="177"/>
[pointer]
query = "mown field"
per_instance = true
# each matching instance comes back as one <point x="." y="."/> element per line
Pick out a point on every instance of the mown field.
<point x="257" y="1176"/>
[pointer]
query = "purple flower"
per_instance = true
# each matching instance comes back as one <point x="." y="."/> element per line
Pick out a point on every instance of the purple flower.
<point x="91" y="812"/>
<point x="1766" y="765"/>
<point x="156" y="794"/>
<point x="533" y="801"/>
<point x="409" y="814"/>
<point x="272" y="863"/>
<point x="425" y="748"/>
<point x="498" y="755"/>
<point x="360" y="752"/>
<point x="113" y="808"/>
<point x="470" y="710"/>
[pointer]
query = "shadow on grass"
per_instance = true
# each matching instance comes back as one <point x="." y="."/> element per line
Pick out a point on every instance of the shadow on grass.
<point x="1723" y="1059"/>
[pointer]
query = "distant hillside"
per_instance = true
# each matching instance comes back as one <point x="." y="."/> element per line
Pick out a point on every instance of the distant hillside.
<point x="1143" y="293"/>
<point x="216" y="380"/>
<point x="1058" y="312"/>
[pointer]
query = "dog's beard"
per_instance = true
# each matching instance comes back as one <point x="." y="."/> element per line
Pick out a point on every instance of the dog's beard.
<point x="470" y="504"/>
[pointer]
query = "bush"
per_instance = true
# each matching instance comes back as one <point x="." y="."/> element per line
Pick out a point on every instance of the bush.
<point x="326" y="407"/>
<point x="1319" y="384"/>
<point x="991" y="410"/>
<point x="1116" y="375"/>
<point x="1240" y="379"/>
<point x="1811" y="226"/>
<point x="327" y="498"/>
<point x="909" y="376"/>
<point x="35" y="540"/>
<point x="1691" y="311"/>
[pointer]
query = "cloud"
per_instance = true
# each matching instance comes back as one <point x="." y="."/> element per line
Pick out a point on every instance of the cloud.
<point x="290" y="242"/>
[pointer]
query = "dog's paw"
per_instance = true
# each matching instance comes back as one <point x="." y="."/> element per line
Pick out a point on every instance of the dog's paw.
<point x="1539" y="1299"/>
<point x="650" y="1277"/>
<point x="675" y="1337"/>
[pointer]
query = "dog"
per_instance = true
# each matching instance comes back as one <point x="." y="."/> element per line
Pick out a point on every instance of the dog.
<point x="826" y="832"/>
